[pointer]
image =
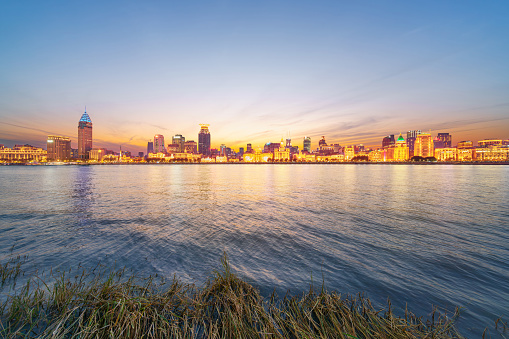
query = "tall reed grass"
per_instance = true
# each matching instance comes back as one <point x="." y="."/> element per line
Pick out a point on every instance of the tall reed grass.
<point x="116" y="304"/>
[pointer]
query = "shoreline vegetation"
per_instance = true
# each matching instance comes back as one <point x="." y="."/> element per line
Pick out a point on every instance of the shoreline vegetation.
<point x="101" y="303"/>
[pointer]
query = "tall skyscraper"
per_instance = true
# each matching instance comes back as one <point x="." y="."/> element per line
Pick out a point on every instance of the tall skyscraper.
<point x="179" y="140"/>
<point x="424" y="145"/>
<point x="204" y="140"/>
<point x="307" y="144"/>
<point x="249" y="148"/>
<point x="410" y="139"/>
<point x="388" y="141"/>
<point x="59" y="148"/>
<point x="446" y="139"/>
<point x="159" y="144"/>
<point x="84" y="136"/>
<point x="150" y="147"/>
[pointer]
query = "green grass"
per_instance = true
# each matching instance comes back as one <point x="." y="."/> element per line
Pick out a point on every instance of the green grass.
<point x="114" y="304"/>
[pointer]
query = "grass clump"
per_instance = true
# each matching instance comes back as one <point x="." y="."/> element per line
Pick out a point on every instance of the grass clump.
<point x="118" y="305"/>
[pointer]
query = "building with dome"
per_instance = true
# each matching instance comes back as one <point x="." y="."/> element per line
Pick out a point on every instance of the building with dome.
<point x="401" y="150"/>
<point x="84" y="136"/>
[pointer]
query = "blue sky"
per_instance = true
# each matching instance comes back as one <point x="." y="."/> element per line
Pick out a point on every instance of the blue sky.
<point x="353" y="71"/>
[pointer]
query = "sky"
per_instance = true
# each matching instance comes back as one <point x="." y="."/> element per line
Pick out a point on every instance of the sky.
<point x="256" y="71"/>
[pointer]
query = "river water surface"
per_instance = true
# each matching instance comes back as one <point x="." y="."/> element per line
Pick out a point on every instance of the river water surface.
<point x="421" y="235"/>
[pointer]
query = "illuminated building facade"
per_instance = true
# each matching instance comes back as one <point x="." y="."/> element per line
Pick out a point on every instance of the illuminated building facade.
<point x="465" y="144"/>
<point x="84" y="136"/>
<point x="424" y="146"/>
<point x="22" y="153"/>
<point x="410" y="140"/>
<point x="492" y="153"/>
<point x="173" y="148"/>
<point x="307" y="144"/>
<point x="376" y="155"/>
<point x="191" y="147"/>
<point x="249" y="148"/>
<point x="489" y="142"/>
<point x="466" y="154"/>
<point x="97" y="154"/>
<point x="150" y="147"/>
<point x="59" y="148"/>
<point x="446" y="154"/>
<point x="349" y="152"/>
<point x="257" y="156"/>
<point x="282" y="153"/>
<point x="401" y="151"/>
<point x="179" y="140"/>
<point x="159" y="144"/>
<point x="204" y="140"/>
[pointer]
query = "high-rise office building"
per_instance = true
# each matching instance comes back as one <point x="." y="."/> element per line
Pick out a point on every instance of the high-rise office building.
<point x="424" y="145"/>
<point x="159" y="144"/>
<point x="84" y="136"/>
<point x="204" y="140"/>
<point x="388" y="141"/>
<point x="410" y="139"/>
<point x="438" y="143"/>
<point x="249" y="148"/>
<point x="307" y="144"/>
<point x="150" y="147"/>
<point x="446" y="139"/>
<point x="59" y="148"/>
<point x="179" y="140"/>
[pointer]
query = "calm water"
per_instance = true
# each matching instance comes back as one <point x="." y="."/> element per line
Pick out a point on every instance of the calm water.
<point x="420" y="235"/>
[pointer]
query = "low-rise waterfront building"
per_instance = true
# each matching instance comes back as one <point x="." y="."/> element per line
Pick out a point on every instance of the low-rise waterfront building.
<point x="22" y="153"/>
<point x="466" y="154"/>
<point x="350" y="152"/>
<point x="97" y="154"/>
<point x="446" y="154"/>
<point x="376" y="155"/>
<point x="492" y="153"/>
<point x="490" y="142"/>
<point x="465" y="144"/>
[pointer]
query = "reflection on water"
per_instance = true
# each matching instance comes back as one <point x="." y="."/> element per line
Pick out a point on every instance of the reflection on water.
<point x="421" y="235"/>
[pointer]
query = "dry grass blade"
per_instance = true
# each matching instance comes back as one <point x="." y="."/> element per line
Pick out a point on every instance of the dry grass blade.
<point x="102" y="304"/>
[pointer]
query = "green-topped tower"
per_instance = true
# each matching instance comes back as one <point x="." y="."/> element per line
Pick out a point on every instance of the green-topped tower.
<point x="84" y="136"/>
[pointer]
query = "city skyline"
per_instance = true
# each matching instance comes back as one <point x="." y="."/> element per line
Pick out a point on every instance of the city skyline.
<point x="254" y="72"/>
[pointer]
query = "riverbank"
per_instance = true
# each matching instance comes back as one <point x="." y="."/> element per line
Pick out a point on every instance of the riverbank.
<point x="118" y="304"/>
<point x="418" y="163"/>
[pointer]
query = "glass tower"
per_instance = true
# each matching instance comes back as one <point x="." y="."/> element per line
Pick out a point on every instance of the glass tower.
<point x="84" y="136"/>
<point x="307" y="144"/>
<point x="204" y="140"/>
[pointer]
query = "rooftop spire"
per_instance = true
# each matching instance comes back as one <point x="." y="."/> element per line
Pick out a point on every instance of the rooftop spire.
<point x="85" y="117"/>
